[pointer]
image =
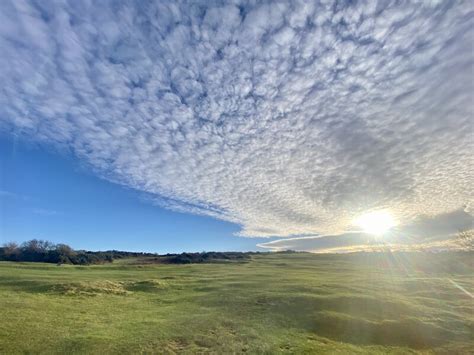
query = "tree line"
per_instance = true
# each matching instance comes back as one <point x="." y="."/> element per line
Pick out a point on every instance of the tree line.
<point x="37" y="250"/>
<point x="204" y="257"/>
<point x="45" y="251"/>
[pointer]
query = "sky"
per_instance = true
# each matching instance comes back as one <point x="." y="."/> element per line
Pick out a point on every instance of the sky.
<point x="47" y="195"/>
<point x="236" y="124"/>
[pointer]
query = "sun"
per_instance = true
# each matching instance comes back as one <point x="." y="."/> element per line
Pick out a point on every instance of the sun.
<point x="376" y="222"/>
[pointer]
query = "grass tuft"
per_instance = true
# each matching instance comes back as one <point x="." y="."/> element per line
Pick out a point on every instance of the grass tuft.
<point x="91" y="288"/>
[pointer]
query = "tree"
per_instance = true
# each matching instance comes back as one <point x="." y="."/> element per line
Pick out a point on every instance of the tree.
<point x="11" y="250"/>
<point x="37" y="246"/>
<point x="66" y="250"/>
<point x="36" y="250"/>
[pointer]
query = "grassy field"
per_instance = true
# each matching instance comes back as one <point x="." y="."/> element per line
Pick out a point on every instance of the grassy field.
<point x="276" y="303"/>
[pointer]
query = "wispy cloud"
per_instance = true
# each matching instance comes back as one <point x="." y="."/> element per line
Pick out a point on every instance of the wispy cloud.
<point x="12" y="195"/>
<point x="4" y="193"/>
<point x="284" y="117"/>
<point x="45" y="212"/>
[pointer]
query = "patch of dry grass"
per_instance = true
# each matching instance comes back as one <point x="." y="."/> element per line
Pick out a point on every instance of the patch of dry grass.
<point x="90" y="288"/>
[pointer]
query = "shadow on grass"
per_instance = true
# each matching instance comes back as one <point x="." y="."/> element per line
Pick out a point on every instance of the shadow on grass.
<point x="407" y="332"/>
<point x="147" y="285"/>
<point x="30" y="286"/>
<point x="359" y="320"/>
<point x="353" y="305"/>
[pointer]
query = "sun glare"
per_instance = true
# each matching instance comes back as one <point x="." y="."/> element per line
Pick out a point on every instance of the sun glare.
<point x="377" y="222"/>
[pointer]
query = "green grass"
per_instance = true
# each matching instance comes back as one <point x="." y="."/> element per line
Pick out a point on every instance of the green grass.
<point x="278" y="303"/>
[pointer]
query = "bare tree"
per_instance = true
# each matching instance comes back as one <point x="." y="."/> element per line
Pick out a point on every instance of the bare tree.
<point x="11" y="249"/>
<point x="37" y="246"/>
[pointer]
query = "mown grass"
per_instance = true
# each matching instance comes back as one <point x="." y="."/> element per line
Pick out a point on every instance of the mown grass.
<point x="278" y="303"/>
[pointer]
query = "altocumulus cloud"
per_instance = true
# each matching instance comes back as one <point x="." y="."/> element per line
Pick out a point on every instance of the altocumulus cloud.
<point x="288" y="118"/>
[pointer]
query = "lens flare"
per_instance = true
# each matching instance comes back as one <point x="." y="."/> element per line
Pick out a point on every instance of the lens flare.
<point x="376" y="222"/>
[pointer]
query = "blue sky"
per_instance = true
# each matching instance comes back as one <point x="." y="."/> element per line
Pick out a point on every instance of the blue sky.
<point x="280" y="119"/>
<point x="49" y="196"/>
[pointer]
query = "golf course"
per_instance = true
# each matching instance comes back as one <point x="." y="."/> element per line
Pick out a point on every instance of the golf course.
<point x="374" y="303"/>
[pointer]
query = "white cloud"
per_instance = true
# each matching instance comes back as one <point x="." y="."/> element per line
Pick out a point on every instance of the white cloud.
<point x="286" y="118"/>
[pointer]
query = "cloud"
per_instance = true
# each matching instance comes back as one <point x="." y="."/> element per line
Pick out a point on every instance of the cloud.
<point x="288" y="118"/>
<point x="45" y="212"/>
<point x="424" y="233"/>
<point x="4" y="194"/>
<point x="7" y="194"/>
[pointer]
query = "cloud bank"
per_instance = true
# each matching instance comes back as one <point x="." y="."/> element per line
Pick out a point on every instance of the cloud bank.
<point x="424" y="233"/>
<point x="288" y="118"/>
